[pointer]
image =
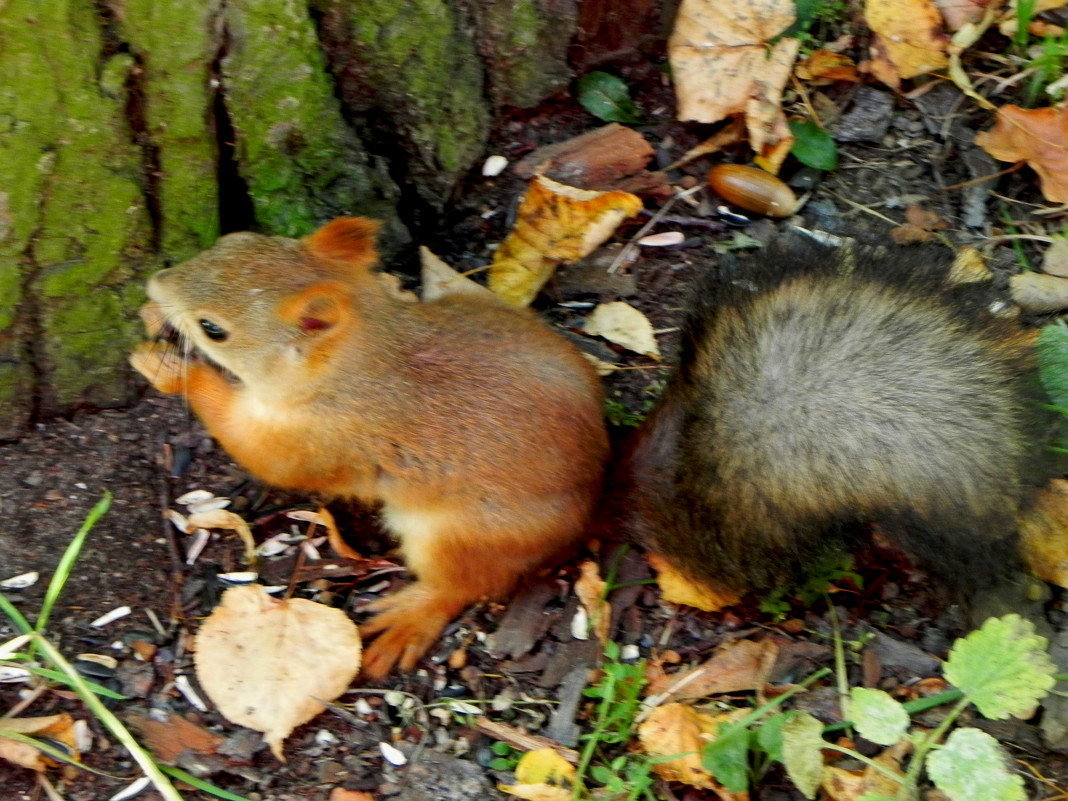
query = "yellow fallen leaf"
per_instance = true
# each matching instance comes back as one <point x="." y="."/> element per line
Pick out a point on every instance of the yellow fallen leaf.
<point x="556" y="223"/>
<point x="678" y="730"/>
<point x="590" y="591"/>
<point x="908" y="39"/>
<point x="622" y="324"/>
<point x="272" y="665"/>
<point x="678" y="588"/>
<point x="1038" y="136"/>
<point x="542" y="775"/>
<point x="1044" y="534"/>
<point x="723" y="65"/>
<point x="968" y="267"/>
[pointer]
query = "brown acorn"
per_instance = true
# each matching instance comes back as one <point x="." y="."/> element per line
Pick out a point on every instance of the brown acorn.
<point x="752" y="189"/>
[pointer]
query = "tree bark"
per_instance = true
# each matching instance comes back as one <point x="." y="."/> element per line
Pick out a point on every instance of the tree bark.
<point x="133" y="131"/>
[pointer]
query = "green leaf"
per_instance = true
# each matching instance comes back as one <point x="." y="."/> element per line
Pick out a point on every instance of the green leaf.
<point x="727" y="757"/>
<point x="500" y="763"/>
<point x="813" y="146"/>
<point x="877" y="716"/>
<point x="607" y="97"/>
<point x="1002" y="668"/>
<point x="769" y="735"/>
<point x="801" y="744"/>
<point x="501" y="748"/>
<point x="1053" y="362"/>
<point x="971" y="767"/>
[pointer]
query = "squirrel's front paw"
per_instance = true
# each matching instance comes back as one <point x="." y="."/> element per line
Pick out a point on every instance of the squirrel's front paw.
<point x="162" y="364"/>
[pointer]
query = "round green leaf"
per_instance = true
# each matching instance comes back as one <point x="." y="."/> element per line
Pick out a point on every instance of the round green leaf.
<point x="971" y="767"/>
<point x="607" y="97"/>
<point x="1002" y="667"/>
<point x="877" y="716"/>
<point x="813" y="146"/>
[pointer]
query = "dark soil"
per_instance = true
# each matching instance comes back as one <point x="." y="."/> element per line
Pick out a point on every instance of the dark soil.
<point x="50" y="480"/>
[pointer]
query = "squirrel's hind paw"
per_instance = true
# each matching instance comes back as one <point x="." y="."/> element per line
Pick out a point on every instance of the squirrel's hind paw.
<point x="406" y="625"/>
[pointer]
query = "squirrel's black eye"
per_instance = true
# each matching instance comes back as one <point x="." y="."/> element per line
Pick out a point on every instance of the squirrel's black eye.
<point x="213" y="331"/>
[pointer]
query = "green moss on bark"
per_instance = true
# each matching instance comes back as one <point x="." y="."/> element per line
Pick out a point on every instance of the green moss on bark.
<point x="525" y="46"/>
<point x="417" y="61"/>
<point x="77" y="229"/>
<point x="176" y="43"/>
<point x="302" y="163"/>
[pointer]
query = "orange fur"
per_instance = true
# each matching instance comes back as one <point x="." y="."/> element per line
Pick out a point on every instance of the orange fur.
<point x="476" y="428"/>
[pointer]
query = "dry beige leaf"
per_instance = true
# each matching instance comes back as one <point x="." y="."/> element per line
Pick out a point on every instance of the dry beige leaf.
<point x="542" y="775"/>
<point x="1055" y="259"/>
<point x="440" y="280"/>
<point x="678" y="588"/>
<point x="220" y="518"/>
<point x="556" y="223"/>
<point x="908" y="39"/>
<point x="1044" y="534"/>
<point x="675" y="729"/>
<point x="272" y="665"/>
<point x="735" y="667"/>
<point x="722" y="66"/>
<point x="1038" y="136"/>
<point x="54" y="727"/>
<point x="622" y="324"/>
<point x="1039" y="293"/>
<point x="590" y="591"/>
<point x="958" y="13"/>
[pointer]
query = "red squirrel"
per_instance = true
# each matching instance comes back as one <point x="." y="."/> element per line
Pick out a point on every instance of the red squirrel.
<point x="476" y="429"/>
<point x="815" y="396"/>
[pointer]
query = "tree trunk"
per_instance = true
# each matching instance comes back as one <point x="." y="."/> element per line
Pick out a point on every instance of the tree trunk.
<point x="133" y="131"/>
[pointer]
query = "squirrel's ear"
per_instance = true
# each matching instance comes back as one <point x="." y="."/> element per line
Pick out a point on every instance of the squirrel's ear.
<point x="348" y="240"/>
<point x="318" y="308"/>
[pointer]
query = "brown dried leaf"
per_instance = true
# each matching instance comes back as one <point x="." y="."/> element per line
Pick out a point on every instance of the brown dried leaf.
<point x="167" y="739"/>
<point x="908" y="39"/>
<point x="556" y="223"/>
<point x="824" y="67"/>
<point x="850" y="785"/>
<point x="678" y="588"/>
<point x="1037" y="136"/>
<point x="735" y="667"/>
<point x="722" y="66"/>
<point x="272" y="665"/>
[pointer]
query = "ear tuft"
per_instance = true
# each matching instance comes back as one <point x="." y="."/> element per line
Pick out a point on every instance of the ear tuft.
<point x="348" y="240"/>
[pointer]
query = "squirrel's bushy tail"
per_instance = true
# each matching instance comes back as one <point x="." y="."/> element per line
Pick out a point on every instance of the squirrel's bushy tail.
<point x="820" y="396"/>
